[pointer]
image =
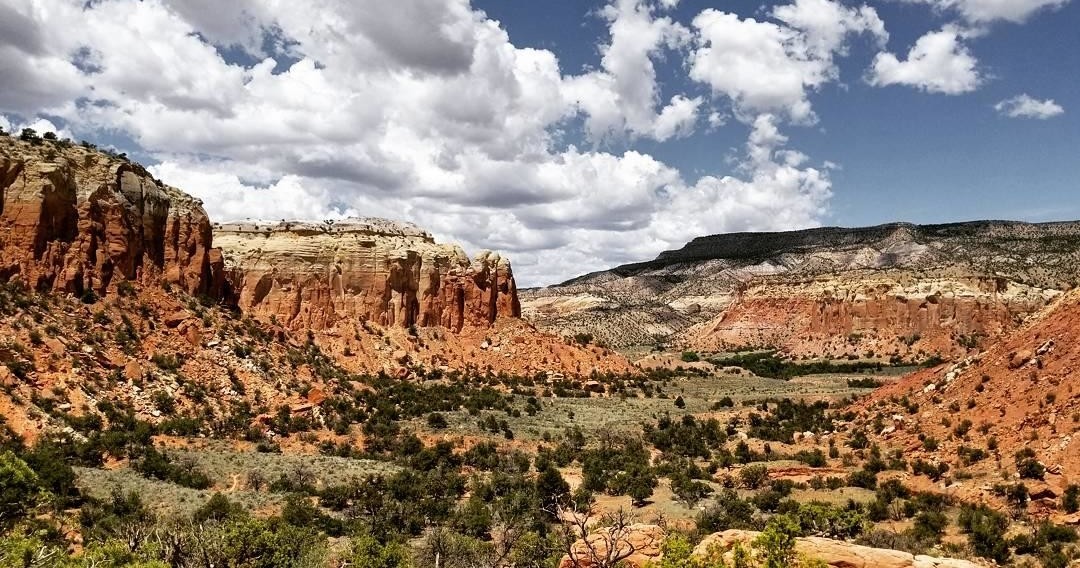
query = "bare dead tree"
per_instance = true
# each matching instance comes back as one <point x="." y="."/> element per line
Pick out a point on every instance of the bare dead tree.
<point x="601" y="545"/>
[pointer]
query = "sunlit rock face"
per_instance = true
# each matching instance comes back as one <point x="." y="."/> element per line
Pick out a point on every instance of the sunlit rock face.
<point x="74" y="219"/>
<point x="314" y="275"/>
<point x="896" y="289"/>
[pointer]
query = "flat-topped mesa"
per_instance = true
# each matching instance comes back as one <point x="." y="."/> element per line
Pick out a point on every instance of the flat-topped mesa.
<point x="317" y="274"/>
<point x="75" y="219"/>
<point x="895" y="288"/>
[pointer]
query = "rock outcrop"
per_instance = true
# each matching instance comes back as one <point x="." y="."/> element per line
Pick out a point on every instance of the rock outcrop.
<point x="834" y="553"/>
<point x="636" y="545"/>
<point x="78" y="220"/>
<point x="887" y="312"/>
<point x="313" y="275"/>
<point x="640" y="546"/>
<point x="893" y="289"/>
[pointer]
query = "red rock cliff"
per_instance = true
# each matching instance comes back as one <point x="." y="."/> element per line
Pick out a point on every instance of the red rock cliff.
<point x="886" y="314"/>
<point x="73" y="219"/>
<point x="313" y="275"/>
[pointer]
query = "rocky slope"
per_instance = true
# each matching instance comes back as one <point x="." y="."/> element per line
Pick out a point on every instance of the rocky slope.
<point x="111" y="287"/>
<point x="313" y="275"/>
<point x="1022" y="392"/>
<point x="900" y="289"/>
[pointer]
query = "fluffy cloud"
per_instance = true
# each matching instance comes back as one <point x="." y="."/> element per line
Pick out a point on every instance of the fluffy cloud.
<point x="424" y="110"/>
<point x="623" y="95"/>
<point x="985" y="11"/>
<point x="937" y="63"/>
<point x="767" y="67"/>
<point x="1026" y="106"/>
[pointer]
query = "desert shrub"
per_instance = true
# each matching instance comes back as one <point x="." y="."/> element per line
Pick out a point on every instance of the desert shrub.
<point x="217" y="508"/>
<point x="583" y="338"/>
<point x="159" y="465"/>
<point x="929" y="526"/>
<point x="1027" y="466"/>
<point x="727" y="511"/>
<point x="931" y="470"/>
<point x="54" y="474"/>
<point x="20" y="488"/>
<point x="1070" y="499"/>
<point x="685" y="437"/>
<point x="864" y="478"/>
<point x="437" y="421"/>
<point x="167" y="361"/>
<point x="617" y="465"/>
<point x="754" y="476"/>
<point x="962" y="428"/>
<point x="823" y="519"/>
<point x="986" y="532"/>
<point x="777" y="542"/>
<point x="970" y="456"/>
<point x="789" y="417"/>
<point x="812" y="458"/>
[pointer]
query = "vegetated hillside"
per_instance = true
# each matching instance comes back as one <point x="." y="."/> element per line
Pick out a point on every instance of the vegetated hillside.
<point x="113" y="290"/>
<point x="897" y="289"/>
<point x="1021" y="393"/>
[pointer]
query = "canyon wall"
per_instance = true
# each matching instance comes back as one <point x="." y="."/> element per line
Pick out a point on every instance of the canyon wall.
<point x="910" y="290"/>
<point x="312" y="275"/>
<point x="77" y="220"/>
<point x="863" y="313"/>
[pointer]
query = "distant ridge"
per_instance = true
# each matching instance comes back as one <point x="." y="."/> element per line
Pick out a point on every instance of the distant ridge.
<point x="761" y="245"/>
<point x="897" y="288"/>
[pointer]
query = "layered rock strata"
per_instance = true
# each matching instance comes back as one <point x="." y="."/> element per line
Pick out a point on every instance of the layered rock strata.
<point x="889" y="313"/>
<point x="907" y="289"/>
<point x="77" y="220"/>
<point x="313" y="275"/>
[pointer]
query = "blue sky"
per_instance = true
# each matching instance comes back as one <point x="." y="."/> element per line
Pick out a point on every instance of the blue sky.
<point x="904" y="155"/>
<point x="571" y="135"/>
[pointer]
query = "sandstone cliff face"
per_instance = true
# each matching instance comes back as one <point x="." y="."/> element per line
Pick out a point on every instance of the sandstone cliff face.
<point x="887" y="313"/>
<point x="76" y="220"/>
<point x="639" y="546"/>
<point x="308" y="275"/>
<point x="943" y="283"/>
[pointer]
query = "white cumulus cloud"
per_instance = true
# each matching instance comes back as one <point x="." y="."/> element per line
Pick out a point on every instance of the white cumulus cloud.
<point x="1026" y="106"/>
<point x="771" y="67"/>
<point x="986" y="11"/>
<point x="939" y="62"/>
<point x="426" y="111"/>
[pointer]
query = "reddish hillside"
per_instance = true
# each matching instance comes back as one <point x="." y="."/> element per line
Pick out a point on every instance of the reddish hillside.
<point x="1023" y="392"/>
<point x="113" y="289"/>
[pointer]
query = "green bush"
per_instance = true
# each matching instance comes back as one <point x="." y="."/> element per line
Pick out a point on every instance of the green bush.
<point x="754" y="476"/>
<point x="1070" y="500"/>
<point x="862" y="478"/>
<point x="986" y="532"/>
<point x="20" y="488"/>
<point x="1027" y="466"/>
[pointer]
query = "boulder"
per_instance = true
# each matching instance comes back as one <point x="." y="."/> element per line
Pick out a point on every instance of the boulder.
<point x="637" y="545"/>
<point x="834" y="553"/>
